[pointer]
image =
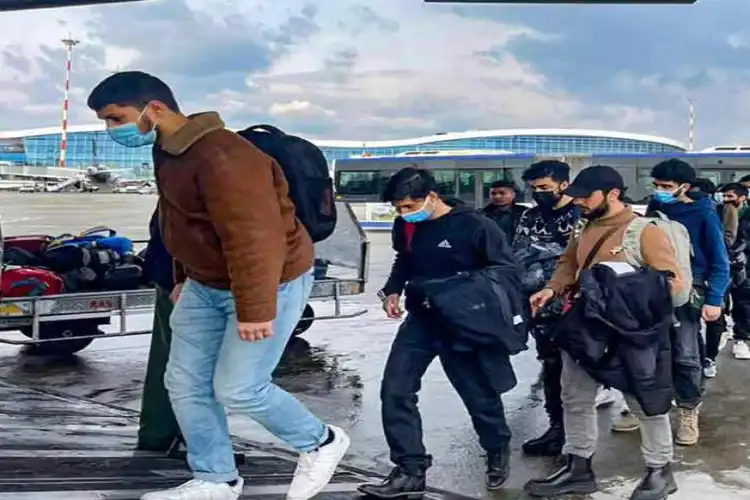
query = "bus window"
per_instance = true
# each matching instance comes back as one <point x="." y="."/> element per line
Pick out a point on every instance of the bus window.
<point x="363" y="183"/>
<point x="712" y="175"/>
<point x="496" y="175"/>
<point x="466" y="183"/>
<point x="738" y="174"/>
<point x="641" y="190"/>
<point x="446" y="182"/>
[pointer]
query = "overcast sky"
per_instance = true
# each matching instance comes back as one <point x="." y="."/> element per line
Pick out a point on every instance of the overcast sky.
<point x="380" y="69"/>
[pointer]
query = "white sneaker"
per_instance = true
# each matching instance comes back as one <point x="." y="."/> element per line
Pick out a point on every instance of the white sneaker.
<point x="198" y="489"/>
<point x="710" y="369"/>
<point x="316" y="468"/>
<point x="605" y="398"/>
<point x="724" y="339"/>
<point x="741" y="350"/>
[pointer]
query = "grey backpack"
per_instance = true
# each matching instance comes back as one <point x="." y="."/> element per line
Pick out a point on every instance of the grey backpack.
<point x="679" y="237"/>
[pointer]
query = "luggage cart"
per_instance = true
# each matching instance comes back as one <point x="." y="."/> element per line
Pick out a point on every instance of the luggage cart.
<point x="65" y="324"/>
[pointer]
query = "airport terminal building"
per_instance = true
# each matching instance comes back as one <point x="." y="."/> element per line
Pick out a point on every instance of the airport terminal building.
<point x="90" y="145"/>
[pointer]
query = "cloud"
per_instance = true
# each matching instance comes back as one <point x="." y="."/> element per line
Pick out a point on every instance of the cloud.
<point x="352" y="69"/>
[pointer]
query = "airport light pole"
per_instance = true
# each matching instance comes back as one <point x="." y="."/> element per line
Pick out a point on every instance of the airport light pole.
<point x="69" y="44"/>
<point x="691" y="124"/>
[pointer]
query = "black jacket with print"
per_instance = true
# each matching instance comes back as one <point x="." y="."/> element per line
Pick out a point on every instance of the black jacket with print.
<point x="538" y="225"/>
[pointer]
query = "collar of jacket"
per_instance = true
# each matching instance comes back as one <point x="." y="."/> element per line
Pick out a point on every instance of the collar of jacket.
<point x="198" y="126"/>
<point x="622" y="217"/>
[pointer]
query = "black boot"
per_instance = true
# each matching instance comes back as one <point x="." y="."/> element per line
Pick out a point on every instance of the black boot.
<point x="498" y="468"/>
<point x="549" y="444"/>
<point x="576" y="478"/>
<point x="398" y="484"/>
<point x="657" y="484"/>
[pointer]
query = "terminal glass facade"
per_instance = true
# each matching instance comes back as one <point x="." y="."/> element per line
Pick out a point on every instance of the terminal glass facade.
<point x="96" y="148"/>
<point x="538" y="144"/>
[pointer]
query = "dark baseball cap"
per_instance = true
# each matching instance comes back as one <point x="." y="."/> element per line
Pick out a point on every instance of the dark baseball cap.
<point x="596" y="178"/>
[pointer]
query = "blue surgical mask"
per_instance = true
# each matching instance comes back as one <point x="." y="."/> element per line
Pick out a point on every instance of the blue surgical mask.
<point x="420" y="215"/>
<point x="666" y="197"/>
<point x="130" y="136"/>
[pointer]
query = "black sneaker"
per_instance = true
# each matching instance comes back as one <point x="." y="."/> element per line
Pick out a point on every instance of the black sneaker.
<point x="549" y="444"/>
<point x="398" y="484"/>
<point x="576" y="478"/>
<point x="657" y="484"/>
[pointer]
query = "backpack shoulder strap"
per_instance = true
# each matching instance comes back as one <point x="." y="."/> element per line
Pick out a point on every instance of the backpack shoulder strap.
<point x="631" y="239"/>
<point x="664" y="218"/>
<point x="661" y="215"/>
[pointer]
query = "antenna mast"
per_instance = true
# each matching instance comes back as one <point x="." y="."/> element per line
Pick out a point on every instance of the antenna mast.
<point x="69" y="44"/>
<point x="691" y="124"/>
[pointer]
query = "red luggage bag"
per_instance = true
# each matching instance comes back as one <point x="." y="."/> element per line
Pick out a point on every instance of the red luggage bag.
<point x="30" y="282"/>
<point x="33" y="243"/>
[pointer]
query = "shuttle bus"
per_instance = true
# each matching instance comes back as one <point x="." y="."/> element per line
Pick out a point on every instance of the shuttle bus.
<point x="468" y="177"/>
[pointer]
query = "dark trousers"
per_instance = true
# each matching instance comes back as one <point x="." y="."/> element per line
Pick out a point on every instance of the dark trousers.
<point x="688" y="353"/>
<point x="158" y="425"/>
<point x="741" y="311"/>
<point x="416" y="345"/>
<point x="714" y="331"/>
<point x="550" y="356"/>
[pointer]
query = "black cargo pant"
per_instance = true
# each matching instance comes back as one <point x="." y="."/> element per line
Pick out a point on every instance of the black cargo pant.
<point x="551" y="357"/>
<point x="416" y="345"/>
<point x="715" y="329"/>
<point x="158" y="425"/>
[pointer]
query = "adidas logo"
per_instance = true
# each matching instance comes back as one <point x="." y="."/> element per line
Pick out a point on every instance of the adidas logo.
<point x="444" y="244"/>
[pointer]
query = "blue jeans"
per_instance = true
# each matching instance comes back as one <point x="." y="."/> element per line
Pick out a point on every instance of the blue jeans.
<point x="210" y="368"/>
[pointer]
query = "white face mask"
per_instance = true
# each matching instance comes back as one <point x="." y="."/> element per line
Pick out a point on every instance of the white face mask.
<point x="719" y="197"/>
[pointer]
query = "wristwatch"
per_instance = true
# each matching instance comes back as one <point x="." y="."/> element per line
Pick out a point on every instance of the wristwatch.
<point x="381" y="295"/>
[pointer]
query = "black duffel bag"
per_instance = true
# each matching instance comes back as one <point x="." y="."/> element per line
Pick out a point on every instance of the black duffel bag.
<point x="479" y="308"/>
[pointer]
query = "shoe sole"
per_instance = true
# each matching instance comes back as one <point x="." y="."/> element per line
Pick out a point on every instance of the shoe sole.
<point x="662" y="495"/>
<point x="496" y="486"/>
<point x="680" y="442"/>
<point x="579" y="490"/>
<point x="626" y="429"/>
<point x="409" y="496"/>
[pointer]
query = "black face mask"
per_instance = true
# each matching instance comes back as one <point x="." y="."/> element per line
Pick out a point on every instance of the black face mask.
<point x="545" y="199"/>
<point x="596" y="213"/>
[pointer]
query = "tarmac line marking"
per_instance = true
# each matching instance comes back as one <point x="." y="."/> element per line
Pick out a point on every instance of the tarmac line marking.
<point x="248" y="491"/>
<point x="25" y="453"/>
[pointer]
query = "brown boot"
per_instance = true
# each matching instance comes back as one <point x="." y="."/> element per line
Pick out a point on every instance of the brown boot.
<point x="687" y="428"/>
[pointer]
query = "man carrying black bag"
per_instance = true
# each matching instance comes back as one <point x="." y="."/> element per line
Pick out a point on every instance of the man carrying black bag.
<point x="437" y="241"/>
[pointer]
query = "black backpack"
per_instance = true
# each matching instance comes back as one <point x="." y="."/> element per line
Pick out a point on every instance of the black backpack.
<point x="306" y="171"/>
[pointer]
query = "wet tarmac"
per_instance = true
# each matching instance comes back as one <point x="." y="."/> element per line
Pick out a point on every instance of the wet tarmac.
<point x="336" y="367"/>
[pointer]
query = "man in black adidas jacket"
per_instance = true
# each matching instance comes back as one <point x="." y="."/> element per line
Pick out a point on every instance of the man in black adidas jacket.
<point x="442" y="239"/>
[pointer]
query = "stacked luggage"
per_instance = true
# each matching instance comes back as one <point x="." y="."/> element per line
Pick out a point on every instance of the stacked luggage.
<point x="97" y="259"/>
